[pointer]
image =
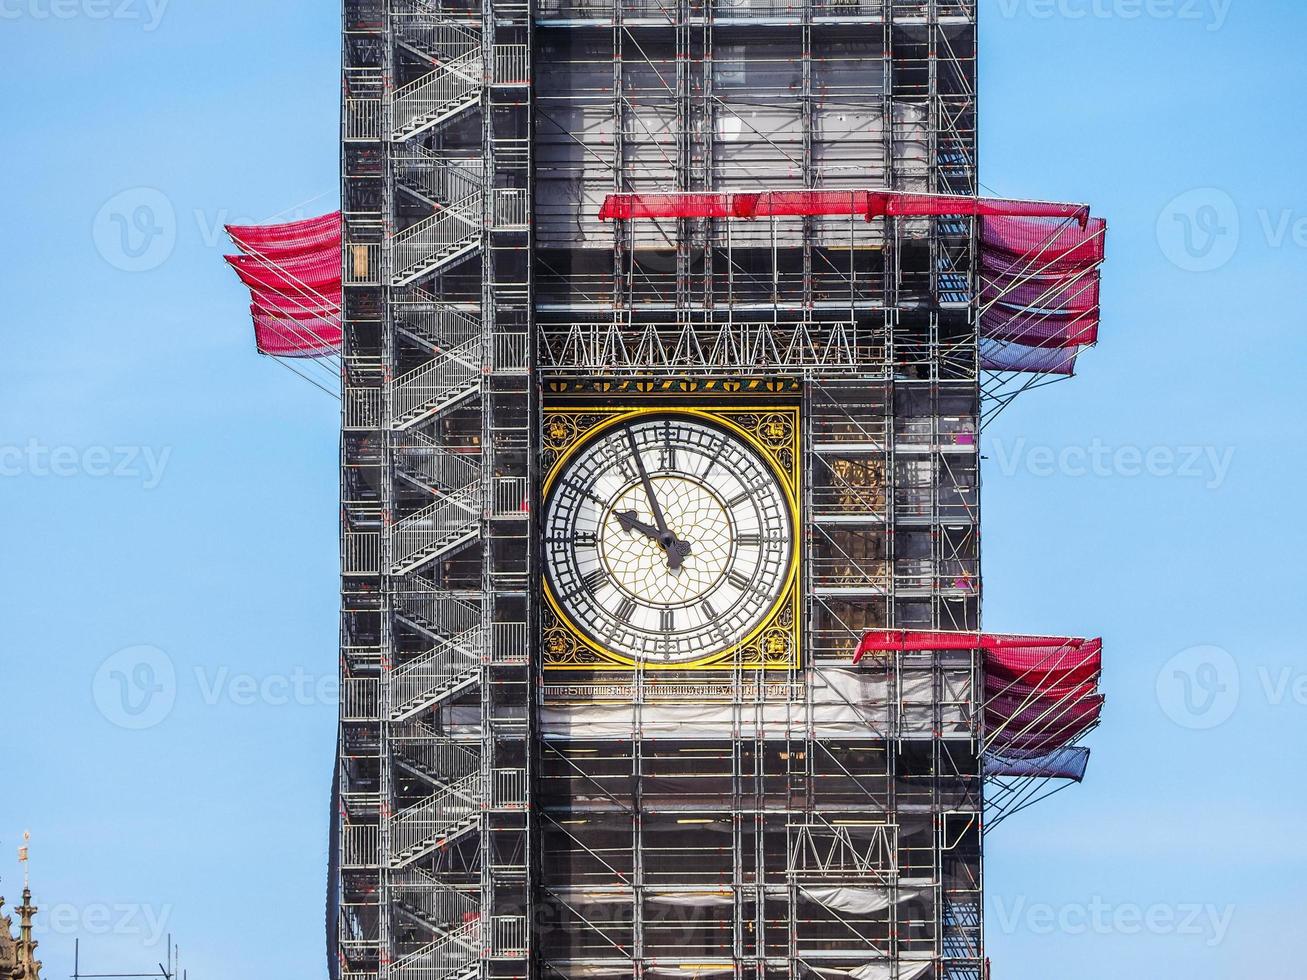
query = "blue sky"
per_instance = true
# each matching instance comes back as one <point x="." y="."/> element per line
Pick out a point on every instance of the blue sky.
<point x="165" y="488"/>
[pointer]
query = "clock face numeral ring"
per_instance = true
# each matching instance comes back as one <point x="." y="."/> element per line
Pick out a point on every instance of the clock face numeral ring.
<point x="667" y="538"/>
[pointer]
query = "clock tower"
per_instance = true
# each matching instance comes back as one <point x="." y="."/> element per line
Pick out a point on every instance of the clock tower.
<point x="662" y="386"/>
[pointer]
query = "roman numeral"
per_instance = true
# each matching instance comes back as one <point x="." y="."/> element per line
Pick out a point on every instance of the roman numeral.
<point x="667" y="620"/>
<point x="738" y="580"/>
<point x="751" y="540"/>
<point x="739" y="498"/>
<point x="710" y="617"/>
<point x="582" y="539"/>
<point x="589" y="495"/>
<point x="595" y="579"/>
<point x="625" y="610"/>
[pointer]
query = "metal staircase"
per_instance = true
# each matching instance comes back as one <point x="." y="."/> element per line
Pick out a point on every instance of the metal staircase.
<point x="433" y="467"/>
<point x="451" y="958"/>
<point x="441" y="383"/>
<point x="433" y="113"/>
<point x="450" y="812"/>
<point x="438" y="179"/>
<point x="440" y="908"/>
<point x="453" y="662"/>
<point x="435" y="530"/>
<point x="449" y="90"/>
<point x="434" y="242"/>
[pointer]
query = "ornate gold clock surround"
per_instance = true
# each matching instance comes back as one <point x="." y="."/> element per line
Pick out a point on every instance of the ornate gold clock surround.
<point x="773" y="432"/>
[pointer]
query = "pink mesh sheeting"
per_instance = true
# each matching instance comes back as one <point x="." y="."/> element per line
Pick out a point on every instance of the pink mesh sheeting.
<point x="308" y="274"/>
<point x="320" y="234"/>
<point x="1065" y="328"/>
<point x="805" y="203"/>
<point x="893" y="641"/>
<point x="1048" y="245"/>
<point x="293" y="271"/>
<point x="296" y="336"/>
<point x="319" y="303"/>
<point x="1041" y="692"/>
<point x="1042" y="666"/>
<point x="1039" y="292"/>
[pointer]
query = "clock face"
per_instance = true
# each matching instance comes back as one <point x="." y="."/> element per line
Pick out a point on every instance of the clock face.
<point x="667" y="538"/>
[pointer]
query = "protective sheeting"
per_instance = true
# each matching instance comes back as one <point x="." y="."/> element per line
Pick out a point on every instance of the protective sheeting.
<point x="811" y="203"/>
<point x="289" y="239"/>
<point x="1006" y="357"/>
<point x="907" y="968"/>
<point x="305" y="276"/>
<point x="294" y="275"/>
<point x="845" y="702"/>
<point x="1039" y="292"/>
<point x="1041" y="692"/>
<point x="861" y="901"/>
<point x="1043" y="727"/>
<point x="1068" y="763"/>
<point x="1043" y="665"/>
<point x="1060" y="330"/>
<point x="295" y="334"/>
<point x="894" y="641"/>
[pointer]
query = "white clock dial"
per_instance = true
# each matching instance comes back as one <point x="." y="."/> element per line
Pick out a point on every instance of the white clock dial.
<point x="667" y="539"/>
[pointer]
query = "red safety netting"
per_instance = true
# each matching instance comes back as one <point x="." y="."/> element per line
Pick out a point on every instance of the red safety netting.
<point x="1039" y="292"/>
<point x="811" y="203"/>
<point x="893" y="641"/>
<point x="323" y="302"/>
<point x="1044" y="665"/>
<point x="294" y="335"/>
<point x="1041" y="692"/>
<point x="1015" y="242"/>
<point x="293" y="271"/>
<point x="289" y="239"/>
<point x="1065" y="328"/>
<point x="306" y="275"/>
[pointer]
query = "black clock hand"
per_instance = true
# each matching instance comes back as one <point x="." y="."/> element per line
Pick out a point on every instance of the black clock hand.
<point x="648" y="484"/>
<point x="668" y="541"/>
<point x="629" y="522"/>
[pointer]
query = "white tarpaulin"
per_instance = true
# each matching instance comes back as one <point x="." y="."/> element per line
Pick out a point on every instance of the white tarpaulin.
<point x="890" y="970"/>
<point x="903" y="968"/>
<point x="844" y="702"/>
<point x="859" y="901"/>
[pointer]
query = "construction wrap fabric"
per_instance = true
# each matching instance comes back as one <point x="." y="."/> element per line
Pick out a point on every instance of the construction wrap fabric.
<point x="300" y="275"/>
<point x="1039" y="292"/>
<point x="295" y="336"/>
<point x="894" y="641"/>
<point x="293" y="238"/>
<point x="811" y="203"/>
<point x="1069" y="763"/>
<point x="1007" y="356"/>
<point x="1041" y="692"/>
<point x="294" y="276"/>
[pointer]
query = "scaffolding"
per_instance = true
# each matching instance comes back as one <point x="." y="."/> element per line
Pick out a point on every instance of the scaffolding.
<point x="500" y="259"/>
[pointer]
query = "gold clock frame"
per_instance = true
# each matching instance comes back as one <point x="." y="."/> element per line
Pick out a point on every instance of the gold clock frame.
<point x="773" y="432"/>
